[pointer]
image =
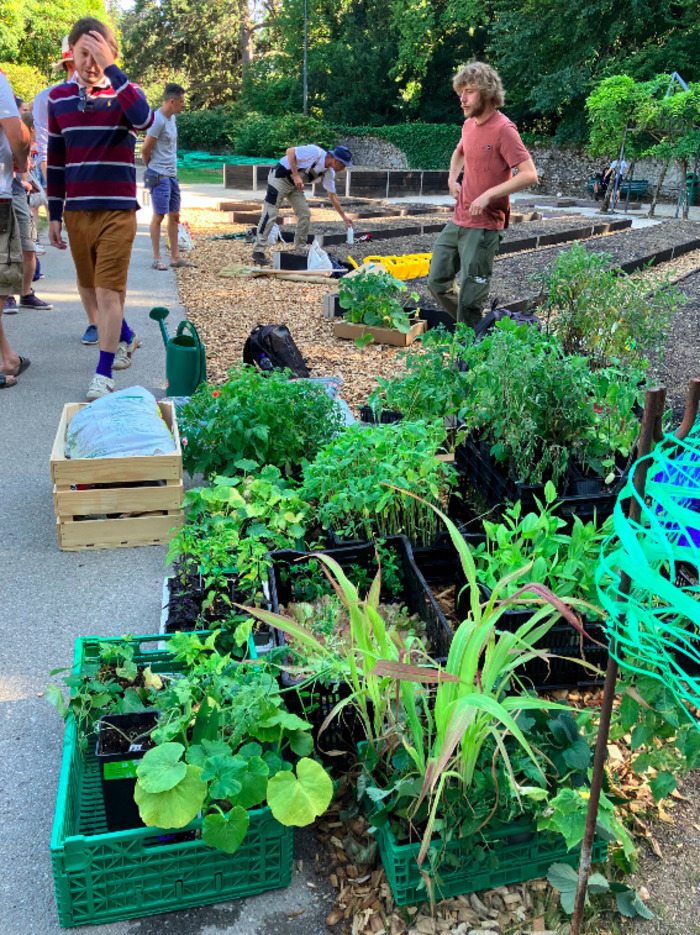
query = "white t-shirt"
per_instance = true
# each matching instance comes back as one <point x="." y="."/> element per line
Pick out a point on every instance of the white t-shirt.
<point x="164" y="153"/>
<point x="8" y="108"/>
<point x="310" y="163"/>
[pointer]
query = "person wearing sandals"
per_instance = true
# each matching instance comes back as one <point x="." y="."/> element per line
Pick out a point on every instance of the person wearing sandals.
<point x="159" y="153"/>
<point x="92" y="185"/>
<point x="14" y="148"/>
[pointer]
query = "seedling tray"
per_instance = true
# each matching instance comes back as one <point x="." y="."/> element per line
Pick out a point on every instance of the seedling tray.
<point x="104" y="877"/>
<point x="514" y="854"/>
<point x="497" y="488"/>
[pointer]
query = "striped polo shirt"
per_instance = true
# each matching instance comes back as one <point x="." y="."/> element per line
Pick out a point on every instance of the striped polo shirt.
<point x="91" y="152"/>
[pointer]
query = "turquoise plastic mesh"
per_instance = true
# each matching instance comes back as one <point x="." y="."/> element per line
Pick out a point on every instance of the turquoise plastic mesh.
<point x="656" y="628"/>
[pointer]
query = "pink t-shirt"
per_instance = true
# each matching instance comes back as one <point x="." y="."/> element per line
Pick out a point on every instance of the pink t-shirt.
<point x="491" y="150"/>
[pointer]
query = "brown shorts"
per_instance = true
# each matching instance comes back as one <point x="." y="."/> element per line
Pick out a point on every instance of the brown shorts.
<point x="101" y="243"/>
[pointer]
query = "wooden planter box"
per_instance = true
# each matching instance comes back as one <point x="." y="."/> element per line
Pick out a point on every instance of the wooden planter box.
<point x="131" y="511"/>
<point x="347" y="329"/>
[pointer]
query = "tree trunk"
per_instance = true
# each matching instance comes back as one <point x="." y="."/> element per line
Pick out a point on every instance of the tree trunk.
<point x="657" y="190"/>
<point x="684" y="172"/>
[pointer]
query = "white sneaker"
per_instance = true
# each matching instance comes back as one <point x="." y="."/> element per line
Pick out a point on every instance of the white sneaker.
<point x="122" y="359"/>
<point x="99" y="386"/>
<point x="40" y="250"/>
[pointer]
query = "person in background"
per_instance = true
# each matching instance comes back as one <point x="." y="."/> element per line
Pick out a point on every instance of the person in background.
<point x="299" y="166"/>
<point x="489" y="150"/>
<point x="14" y="151"/>
<point x="159" y="153"/>
<point x="91" y="179"/>
<point x="21" y="187"/>
<point x="40" y="112"/>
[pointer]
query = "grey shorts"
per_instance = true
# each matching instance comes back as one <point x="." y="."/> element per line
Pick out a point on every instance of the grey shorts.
<point x="24" y="221"/>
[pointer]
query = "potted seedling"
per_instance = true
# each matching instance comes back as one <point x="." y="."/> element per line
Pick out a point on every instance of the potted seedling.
<point x="372" y="310"/>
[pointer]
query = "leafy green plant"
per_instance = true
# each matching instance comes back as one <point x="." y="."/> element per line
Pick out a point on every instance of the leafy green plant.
<point x="596" y="310"/>
<point x="540" y="548"/>
<point x="432" y="386"/>
<point x="267" y="419"/>
<point x="350" y="481"/>
<point x="539" y="409"/>
<point x="372" y="298"/>
<point x="224" y="745"/>
<point x="564" y="879"/>
<point x="233" y="524"/>
<point x="113" y="684"/>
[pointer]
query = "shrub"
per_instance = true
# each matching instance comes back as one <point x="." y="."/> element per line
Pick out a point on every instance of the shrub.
<point x="252" y="417"/>
<point x="426" y="145"/>
<point x="25" y="80"/>
<point x="605" y="314"/>
<point x="258" y="135"/>
<point x="205" y="129"/>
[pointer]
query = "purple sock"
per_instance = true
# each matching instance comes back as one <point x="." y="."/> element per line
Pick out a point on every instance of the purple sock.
<point x="104" y="366"/>
<point x="127" y="334"/>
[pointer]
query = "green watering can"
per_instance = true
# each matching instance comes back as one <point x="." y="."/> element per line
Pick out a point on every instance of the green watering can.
<point x="185" y="363"/>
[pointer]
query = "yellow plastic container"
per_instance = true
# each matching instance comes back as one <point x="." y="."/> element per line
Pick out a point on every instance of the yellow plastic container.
<point x="409" y="266"/>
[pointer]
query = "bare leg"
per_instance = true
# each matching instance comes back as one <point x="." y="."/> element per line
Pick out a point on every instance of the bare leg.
<point x="28" y="270"/>
<point x="173" y="221"/>
<point x="110" y="313"/>
<point x="156" y="221"/>
<point x="89" y="300"/>
<point x="9" y="361"/>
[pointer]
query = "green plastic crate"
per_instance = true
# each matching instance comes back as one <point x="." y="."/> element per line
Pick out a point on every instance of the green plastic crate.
<point x="518" y="853"/>
<point x="104" y="877"/>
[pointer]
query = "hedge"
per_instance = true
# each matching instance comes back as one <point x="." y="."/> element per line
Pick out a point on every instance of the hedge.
<point x="25" y="80"/>
<point x="426" y="145"/>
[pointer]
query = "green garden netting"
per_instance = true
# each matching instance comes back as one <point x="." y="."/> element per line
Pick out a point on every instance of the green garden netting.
<point x="655" y="630"/>
<point x="197" y="159"/>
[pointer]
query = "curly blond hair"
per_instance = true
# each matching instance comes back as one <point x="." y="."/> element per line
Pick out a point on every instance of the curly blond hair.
<point x="486" y="79"/>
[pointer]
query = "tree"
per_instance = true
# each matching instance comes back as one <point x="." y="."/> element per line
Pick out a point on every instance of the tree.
<point x="31" y="31"/>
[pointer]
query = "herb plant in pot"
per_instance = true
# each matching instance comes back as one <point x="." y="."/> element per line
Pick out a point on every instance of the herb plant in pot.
<point x="122" y="740"/>
<point x="372" y="309"/>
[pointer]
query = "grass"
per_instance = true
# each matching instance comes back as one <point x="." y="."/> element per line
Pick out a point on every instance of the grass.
<point x="188" y="175"/>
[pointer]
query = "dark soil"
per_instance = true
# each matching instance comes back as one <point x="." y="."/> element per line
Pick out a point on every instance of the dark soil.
<point x="185" y="604"/>
<point x="681" y="362"/>
<point x="125" y="738"/>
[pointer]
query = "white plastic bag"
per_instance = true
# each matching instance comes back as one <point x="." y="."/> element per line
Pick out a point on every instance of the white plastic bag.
<point x="37" y="199"/>
<point x="120" y="425"/>
<point x="184" y="238"/>
<point x="318" y="259"/>
<point x="274" y="235"/>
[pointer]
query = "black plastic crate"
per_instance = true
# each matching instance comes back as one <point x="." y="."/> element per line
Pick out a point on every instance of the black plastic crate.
<point x="580" y="496"/>
<point x="383" y="417"/>
<point x="313" y="700"/>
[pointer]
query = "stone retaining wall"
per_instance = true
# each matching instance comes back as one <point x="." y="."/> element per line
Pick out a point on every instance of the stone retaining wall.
<point x="561" y="170"/>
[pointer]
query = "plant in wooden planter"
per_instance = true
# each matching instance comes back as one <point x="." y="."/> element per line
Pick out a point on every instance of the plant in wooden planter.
<point x="225" y="746"/>
<point x="350" y="481"/>
<point x="539" y="411"/>
<point x="264" y="418"/>
<point x="372" y="300"/>
<point x="605" y="314"/>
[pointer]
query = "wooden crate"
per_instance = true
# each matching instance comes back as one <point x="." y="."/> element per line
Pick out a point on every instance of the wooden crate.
<point x="347" y="329"/>
<point x="155" y="510"/>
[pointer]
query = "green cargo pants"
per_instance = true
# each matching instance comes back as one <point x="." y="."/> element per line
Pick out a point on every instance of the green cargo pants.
<point x="471" y="250"/>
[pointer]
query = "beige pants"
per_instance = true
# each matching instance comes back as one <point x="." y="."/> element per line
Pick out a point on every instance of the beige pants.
<point x="10" y="259"/>
<point x="279" y="190"/>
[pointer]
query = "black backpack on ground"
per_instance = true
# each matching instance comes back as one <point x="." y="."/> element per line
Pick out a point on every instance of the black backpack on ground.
<point x="271" y="347"/>
<point x="496" y="314"/>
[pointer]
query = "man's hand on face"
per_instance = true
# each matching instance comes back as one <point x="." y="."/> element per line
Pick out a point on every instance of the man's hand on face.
<point x="97" y="46"/>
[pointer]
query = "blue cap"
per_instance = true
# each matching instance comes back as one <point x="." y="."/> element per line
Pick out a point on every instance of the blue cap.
<point x="342" y="154"/>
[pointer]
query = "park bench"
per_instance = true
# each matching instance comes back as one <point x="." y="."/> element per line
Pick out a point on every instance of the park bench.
<point x="637" y="189"/>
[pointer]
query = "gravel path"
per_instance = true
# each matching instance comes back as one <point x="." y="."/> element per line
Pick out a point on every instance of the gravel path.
<point x="681" y="362"/>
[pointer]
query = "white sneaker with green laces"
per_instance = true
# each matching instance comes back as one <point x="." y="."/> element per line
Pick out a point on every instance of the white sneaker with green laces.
<point x="122" y="359"/>
<point x="99" y="386"/>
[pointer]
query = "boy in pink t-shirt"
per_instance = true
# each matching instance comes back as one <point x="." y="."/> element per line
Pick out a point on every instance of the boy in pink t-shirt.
<point x="489" y="150"/>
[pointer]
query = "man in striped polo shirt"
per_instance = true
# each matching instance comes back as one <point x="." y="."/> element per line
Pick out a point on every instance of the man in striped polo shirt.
<point x="91" y="182"/>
